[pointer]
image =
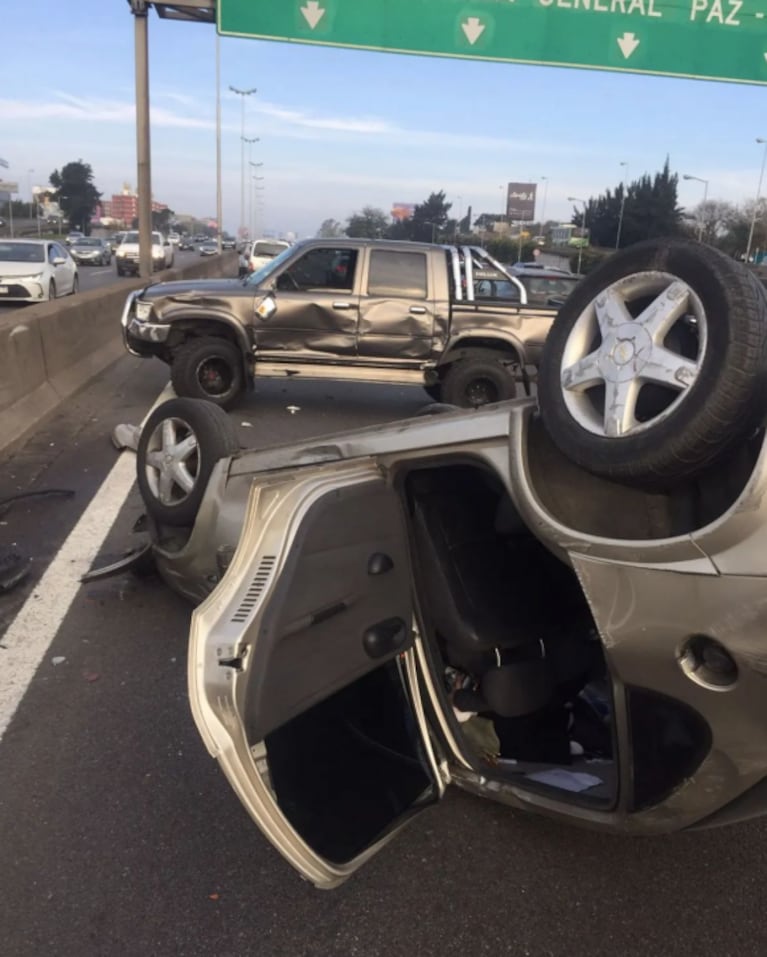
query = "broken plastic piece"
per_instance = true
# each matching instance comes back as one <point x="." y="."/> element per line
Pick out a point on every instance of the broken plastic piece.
<point x="133" y="558"/>
<point x="126" y="437"/>
<point x="13" y="570"/>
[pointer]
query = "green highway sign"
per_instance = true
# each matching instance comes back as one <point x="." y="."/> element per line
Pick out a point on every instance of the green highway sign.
<point x="706" y="39"/>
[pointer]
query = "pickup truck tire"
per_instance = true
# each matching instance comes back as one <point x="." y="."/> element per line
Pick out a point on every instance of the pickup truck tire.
<point x="656" y="365"/>
<point x="179" y="445"/>
<point x="478" y="380"/>
<point x="208" y="368"/>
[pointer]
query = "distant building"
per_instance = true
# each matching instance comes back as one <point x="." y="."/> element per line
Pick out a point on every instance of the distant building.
<point x="122" y="209"/>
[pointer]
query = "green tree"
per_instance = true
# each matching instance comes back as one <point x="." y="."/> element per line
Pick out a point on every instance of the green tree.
<point x="330" y="229"/>
<point x="429" y="222"/>
<point x="77" y="194"/>
<point x="650" y="211"/>
<point x="430" y="218"/>
<point x="369" y="223"/>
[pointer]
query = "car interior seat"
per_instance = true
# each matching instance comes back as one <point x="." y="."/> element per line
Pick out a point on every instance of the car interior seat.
<point x="478" y="612"/>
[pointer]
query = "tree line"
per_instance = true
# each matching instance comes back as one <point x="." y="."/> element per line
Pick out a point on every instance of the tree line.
<point x="644" y="208"/>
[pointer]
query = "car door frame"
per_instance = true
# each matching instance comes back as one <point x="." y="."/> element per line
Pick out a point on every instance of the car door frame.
<point x="408" y="326"/>
<point x="66" y="270"/>
<point x="223" y="660"/>
<point x="333" y="336"/>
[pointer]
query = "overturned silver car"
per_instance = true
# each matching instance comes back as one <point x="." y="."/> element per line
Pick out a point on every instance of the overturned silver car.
<point x="558" y="603"/>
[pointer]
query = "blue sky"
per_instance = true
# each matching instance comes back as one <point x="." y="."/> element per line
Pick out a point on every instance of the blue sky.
<point x="340" y="129"/>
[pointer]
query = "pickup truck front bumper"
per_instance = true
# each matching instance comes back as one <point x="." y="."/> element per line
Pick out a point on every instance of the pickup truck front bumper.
<point x="140" y="336"/>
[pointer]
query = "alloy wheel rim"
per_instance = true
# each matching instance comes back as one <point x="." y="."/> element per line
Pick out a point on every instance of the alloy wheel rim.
<point x="634" y="354"/>
<point x="172" y="461"/>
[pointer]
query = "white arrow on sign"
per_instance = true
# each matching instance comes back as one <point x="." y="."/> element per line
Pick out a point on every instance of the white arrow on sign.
<point x="313" y="13"/>
<point x="473" y="29"/>
<point x="628" y="43"/>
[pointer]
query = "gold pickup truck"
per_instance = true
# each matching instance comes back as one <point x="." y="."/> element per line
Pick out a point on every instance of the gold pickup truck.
<point x="448" y="318"/>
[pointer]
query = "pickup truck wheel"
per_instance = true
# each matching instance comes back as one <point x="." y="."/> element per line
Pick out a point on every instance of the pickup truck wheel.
<point x="656" y="365"/>
<point x="474" y="381"/>
<point x="208" y="368"/>
<point x="179" y="445"/>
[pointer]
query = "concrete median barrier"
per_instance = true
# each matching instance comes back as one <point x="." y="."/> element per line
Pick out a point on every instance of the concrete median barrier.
<point x="49" y="351"/>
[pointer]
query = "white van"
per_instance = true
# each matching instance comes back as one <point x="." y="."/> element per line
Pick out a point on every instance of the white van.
<point x="258" y="253"/>
<point x="127" y="255"/>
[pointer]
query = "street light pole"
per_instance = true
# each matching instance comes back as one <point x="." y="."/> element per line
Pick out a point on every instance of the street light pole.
<point x="250" y="192"/>
<point x="251" y="225"/>
<point x="703" y="203"/>
<point x="243" y="94"/>
<point x="623" y="204"/>
<point x="756" y="201"/>
<point x="545" y="181"/>
<point x="576" y="199"/>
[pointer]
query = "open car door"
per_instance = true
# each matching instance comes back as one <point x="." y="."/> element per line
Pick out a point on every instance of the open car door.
<point x="302" y="675"/>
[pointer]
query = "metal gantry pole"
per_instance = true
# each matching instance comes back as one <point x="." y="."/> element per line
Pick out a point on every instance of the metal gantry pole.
<point x="219" y="205"/>
<point x="140" y="10"/>
<point x="756" y="201"/>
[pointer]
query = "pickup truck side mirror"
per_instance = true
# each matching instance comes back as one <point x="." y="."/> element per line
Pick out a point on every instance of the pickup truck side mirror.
<point x="266" y="308"/>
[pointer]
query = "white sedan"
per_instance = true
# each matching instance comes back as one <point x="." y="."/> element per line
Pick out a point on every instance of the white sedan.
<point x="36" y="270"/>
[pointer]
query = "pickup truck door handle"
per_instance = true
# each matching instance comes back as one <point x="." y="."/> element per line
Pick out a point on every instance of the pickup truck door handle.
<point x="417" y="310"/>
<point x="342" y="305"/>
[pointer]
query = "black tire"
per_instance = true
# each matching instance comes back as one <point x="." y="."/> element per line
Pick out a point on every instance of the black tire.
<point x="120" y="272"/>
<point x="479" y="378"/>
<point x="51" y="290"/>
<point x="208" y="368"/>
<point x="215" y="437"/>
<point x="75" y="286"/>
<point x="676" y="433"/>
<point x="434" y="391"/>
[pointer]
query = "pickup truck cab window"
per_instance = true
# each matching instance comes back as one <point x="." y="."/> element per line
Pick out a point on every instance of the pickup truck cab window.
<point x="397" y="274"/>
<point x="323" y="268"/>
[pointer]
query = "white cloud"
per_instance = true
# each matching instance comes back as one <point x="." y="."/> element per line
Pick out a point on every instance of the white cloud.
<point x="284" y="122"/>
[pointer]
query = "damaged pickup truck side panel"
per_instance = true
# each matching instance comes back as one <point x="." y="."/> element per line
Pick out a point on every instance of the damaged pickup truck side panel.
<point x="375" y="311"/>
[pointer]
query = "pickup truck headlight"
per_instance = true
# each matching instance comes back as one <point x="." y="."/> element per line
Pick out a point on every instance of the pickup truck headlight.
<point x="143" y="310"/>
<point x="121" y="253"/>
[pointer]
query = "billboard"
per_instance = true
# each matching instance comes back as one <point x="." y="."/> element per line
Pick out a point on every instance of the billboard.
<point x="400" y="211"/>
<point x="520" y="202"/>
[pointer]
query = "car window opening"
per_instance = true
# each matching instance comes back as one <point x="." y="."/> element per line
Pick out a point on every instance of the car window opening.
<point x="348" y="769"/>
<point x="517" y="651"/>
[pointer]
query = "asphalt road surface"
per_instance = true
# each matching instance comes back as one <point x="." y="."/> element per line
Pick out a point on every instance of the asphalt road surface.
<point x="94" y="277"/>
<point x="120" y="836"/>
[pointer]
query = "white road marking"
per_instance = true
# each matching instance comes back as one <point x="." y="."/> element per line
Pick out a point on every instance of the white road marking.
<point x="35" y="626"/>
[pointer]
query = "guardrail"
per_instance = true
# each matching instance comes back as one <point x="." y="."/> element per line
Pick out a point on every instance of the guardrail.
<point x="50" y="350"/>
